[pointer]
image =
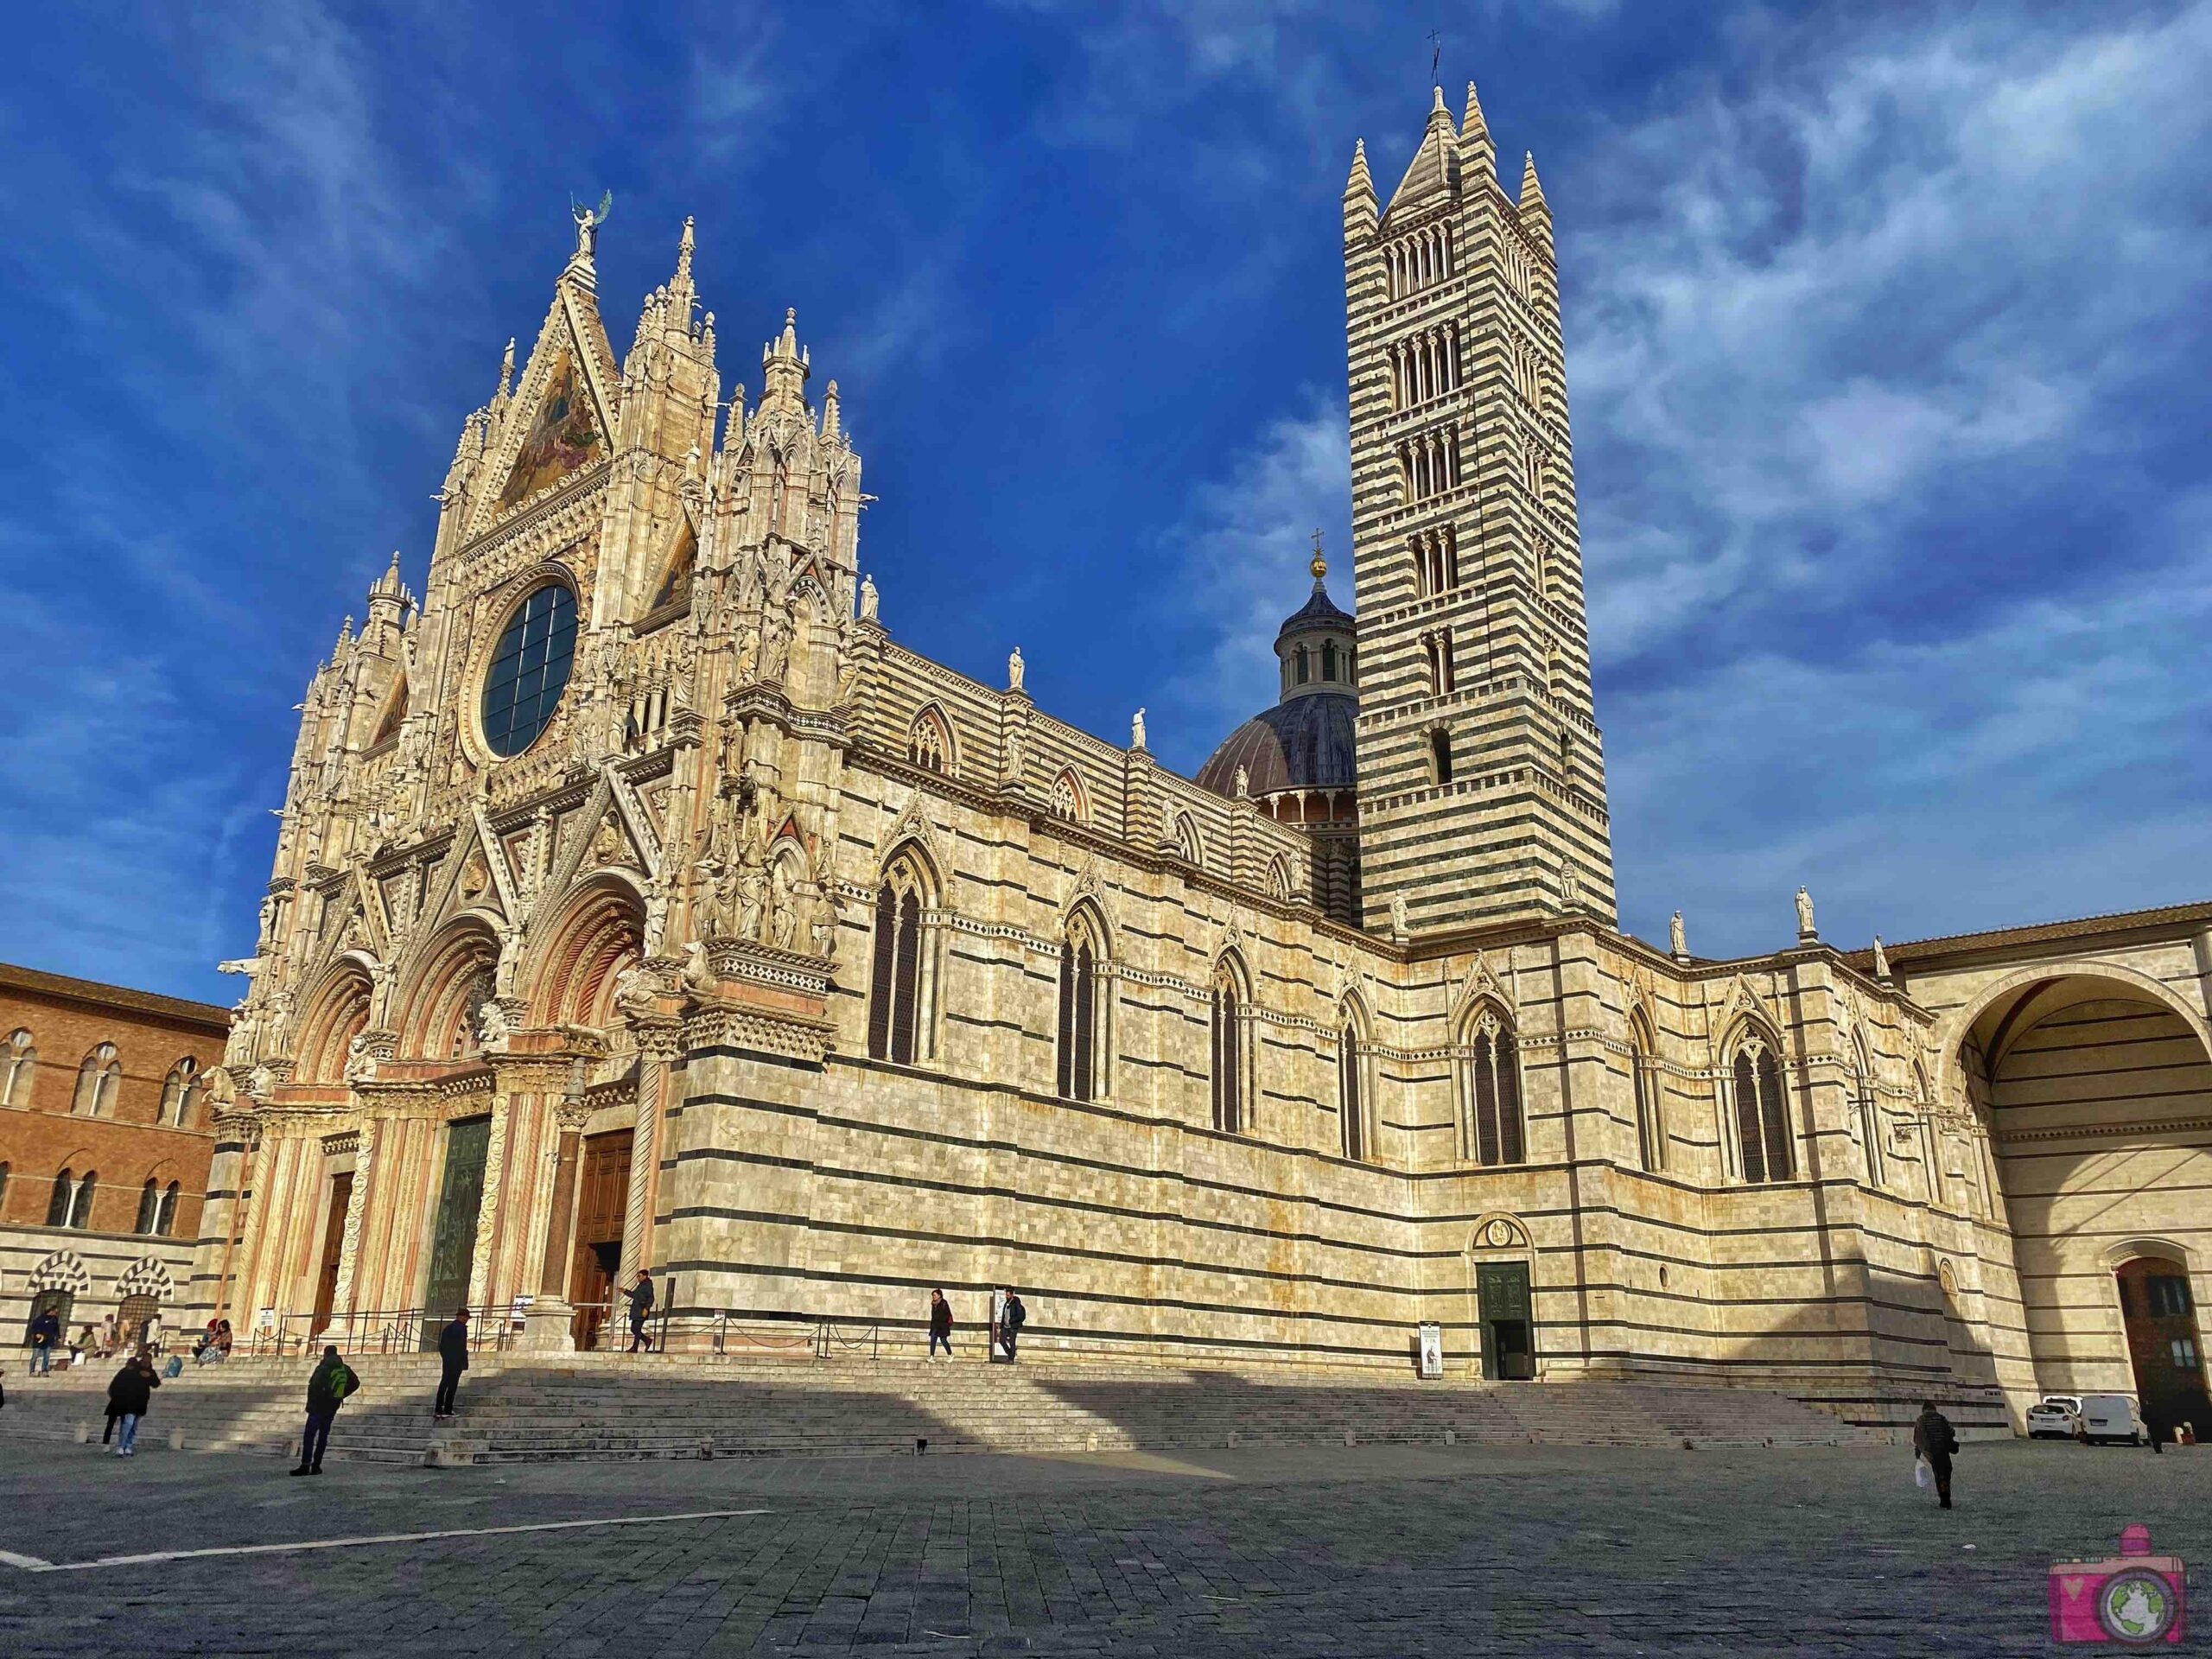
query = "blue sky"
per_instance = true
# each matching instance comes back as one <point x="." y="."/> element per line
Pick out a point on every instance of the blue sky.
<point x="1887" y="344"/>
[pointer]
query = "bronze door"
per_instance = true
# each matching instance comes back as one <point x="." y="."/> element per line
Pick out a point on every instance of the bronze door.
<point x="1508" y="1327"/>
<point x="453" y="1240"/>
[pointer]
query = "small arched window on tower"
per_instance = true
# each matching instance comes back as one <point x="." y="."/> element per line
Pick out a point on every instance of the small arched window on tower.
<point x="1762" y="1113"/>
<point x="926" y="742"/>
<point x="1227" y="1054"/>
<point x="1490" y="1090"/>
<point x="1439" y="755"/>
<point x="1643" y="1078"/>
<point x="897" y="1023"/>
<point x="98" y="1079"/>
<point x="18" y="1065"/>
<point x="1082" y="1011"/>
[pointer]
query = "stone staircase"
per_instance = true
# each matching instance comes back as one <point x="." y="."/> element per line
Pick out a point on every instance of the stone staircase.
<point x="606" y="1407"/>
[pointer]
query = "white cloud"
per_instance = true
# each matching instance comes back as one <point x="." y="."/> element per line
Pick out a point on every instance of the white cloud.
<point x="1242" y="549"/>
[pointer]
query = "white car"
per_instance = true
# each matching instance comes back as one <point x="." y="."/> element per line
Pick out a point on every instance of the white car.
<point x="2055" y="1416"/>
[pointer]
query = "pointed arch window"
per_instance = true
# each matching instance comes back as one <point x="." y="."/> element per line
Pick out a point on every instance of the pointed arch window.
<point x="1644" y="1070"/>
<point x="1066" y="798"/>
<point x="1083" y="1021"/>
<point x="1490" y="1125"/>
<point x="928" y="744"/>
<point x="4" y="1185"/>
<point x="1351" y="1092"/>
<point x="149" y="1206"/>
<point x="178" y="1090"/>
<point x="1227" y="1056"/>
<point x="18" y="1064"/>
<point x="98" y="1079"/>
<point x="1762" y="1113"/>
<point x="898" y="1027"/>
<point x="1188" y="846"/>
<point x="1869" y="1114"/>
<point x="165" y="1217"/>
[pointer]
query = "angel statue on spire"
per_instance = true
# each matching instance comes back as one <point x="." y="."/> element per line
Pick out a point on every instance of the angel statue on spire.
<point x="589" y="220"/>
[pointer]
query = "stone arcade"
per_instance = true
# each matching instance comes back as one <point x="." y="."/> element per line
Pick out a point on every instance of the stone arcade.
<point x="639" y="901"/>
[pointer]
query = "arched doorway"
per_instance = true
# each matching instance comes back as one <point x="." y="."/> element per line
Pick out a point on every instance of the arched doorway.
<point x="2091" y="1078"/>
<point x="2164" y="1344"/>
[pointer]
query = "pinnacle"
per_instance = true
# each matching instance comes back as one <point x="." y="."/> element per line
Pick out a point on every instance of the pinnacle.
<point x="1361" y="182"/>
<point x="1473" y="121"/>
<point x="1531" y="190"/>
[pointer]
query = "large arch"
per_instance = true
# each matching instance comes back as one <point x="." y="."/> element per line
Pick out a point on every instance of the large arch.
<point x="337" y="1012"/>
<point x="451" y="980"/>
<point x="597" y="933"/>
<point x="2094" y="1082"/>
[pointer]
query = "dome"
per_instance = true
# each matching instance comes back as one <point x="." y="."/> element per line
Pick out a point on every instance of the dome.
<point x="1304" y="742"/>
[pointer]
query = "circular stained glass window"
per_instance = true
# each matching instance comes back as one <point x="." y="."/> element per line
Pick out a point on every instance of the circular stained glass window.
<point x="528" y="668"/>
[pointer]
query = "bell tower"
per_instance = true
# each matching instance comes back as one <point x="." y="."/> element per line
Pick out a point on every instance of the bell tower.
<point x="1482" y="783"/>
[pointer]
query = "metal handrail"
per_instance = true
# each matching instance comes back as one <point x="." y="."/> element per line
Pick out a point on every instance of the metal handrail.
<point x="493" y="1328"/>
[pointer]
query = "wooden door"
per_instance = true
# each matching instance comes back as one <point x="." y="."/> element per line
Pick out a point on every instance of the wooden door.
<point x="602" y="1208"/>
<point x="334" y="1240"/>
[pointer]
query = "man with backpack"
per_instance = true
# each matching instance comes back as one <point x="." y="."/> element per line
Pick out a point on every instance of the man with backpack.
<point x="1012" y="1317"/>
<point x="332" y="1384"/>
<point x="1935" y="1440"/>
<point x="46" y="1335"/>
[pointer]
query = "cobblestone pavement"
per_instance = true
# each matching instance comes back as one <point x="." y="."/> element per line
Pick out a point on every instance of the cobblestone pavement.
<point x="1319" y="1551"/>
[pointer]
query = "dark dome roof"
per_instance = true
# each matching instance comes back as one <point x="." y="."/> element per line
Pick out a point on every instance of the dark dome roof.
<point x="1319" y="612"/>
<point x="1303" y="743"/>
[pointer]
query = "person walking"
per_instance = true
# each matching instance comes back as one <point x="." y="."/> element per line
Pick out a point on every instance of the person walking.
<point x="333" y="1382"/>
<point x="2154" y="1427"/>
<point x="1011" y="1320"/>
<point x="106" y="1347"/>
<point x="45" y="1333"/>
<point x="1935" y="1440"/>
<point x="129" y="1395"/>
<point x="940" y="1324"/>
<point x="641" y="1307"/>
<point x="453" y="1357"/>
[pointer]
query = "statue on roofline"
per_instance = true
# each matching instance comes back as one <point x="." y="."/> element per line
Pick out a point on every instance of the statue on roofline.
<point x="589" y="220"/>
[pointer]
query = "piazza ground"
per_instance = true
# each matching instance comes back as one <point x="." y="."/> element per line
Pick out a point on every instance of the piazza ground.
<point x="1373" y="1550"/>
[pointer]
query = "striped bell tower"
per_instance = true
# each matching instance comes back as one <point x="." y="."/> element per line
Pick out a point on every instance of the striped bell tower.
<point x="1482" y="782"/>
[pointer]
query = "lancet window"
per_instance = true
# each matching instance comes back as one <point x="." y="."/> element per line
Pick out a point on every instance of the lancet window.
<point x="927" y="743"/>
<point x="1228" y="1057"/>
<point x="1351" y="1091"/>
<point x="1762" y="1113"/>
<point x="1084" y="1023"/>
<point x="71" y="1204"/>
<point x="1868" y="1113"/>
<point x="1066" y="798"/>
<point x="1490" y="1090"/>
<point x="1643" y="1078"/>
<point x="898" y="1027"/>
<point x="178" y="1090"/>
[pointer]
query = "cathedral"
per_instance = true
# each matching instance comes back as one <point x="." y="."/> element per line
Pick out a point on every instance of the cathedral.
<point x="641" y="902"/>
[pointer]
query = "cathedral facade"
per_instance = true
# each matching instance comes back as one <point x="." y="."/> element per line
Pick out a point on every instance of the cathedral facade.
<point x="641" y="901"/>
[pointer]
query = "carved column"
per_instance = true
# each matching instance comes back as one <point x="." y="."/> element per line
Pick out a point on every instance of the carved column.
<point x="222" y="1219"/>
<point x="357" y="1204"/>
<point x="551" y="1323"/>
<point x="659" y="1036"/>
<point x="488" y="1212"/>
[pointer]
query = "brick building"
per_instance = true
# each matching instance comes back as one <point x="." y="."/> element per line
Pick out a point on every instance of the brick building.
<point x="105" y="1141"/>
